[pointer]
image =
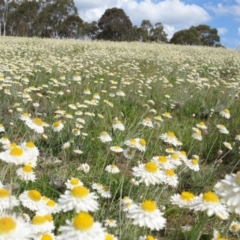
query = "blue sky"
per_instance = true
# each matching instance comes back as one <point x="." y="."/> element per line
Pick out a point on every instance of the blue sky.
<point x="174" y="14"/>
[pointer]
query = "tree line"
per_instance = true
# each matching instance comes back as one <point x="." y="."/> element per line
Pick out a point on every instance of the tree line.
<point x="60" y="19"/>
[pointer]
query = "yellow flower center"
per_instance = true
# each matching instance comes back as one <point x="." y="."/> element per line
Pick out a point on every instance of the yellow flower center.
<point x="51" y="203"/>
<point x="170" y="172"/>
<point x="235" y="226"/>
<point x="46" y="236"/>
<point x="7" y="224"/>
<point x="80" y="191"/>
<point x="37" y="121"/>
<point x="175" y="156"/>
<point x="162" y="159"/>
<point x="187" y="196"/>
<point x="48" y="217"/>
<point x="133" y="141"/>
<point x="56" y="124"/>
<point x="74" y="181"/>
<point x="194" y="161"/>
<point x="38" y="220"/>
<point x="171" y="134"/>
<point x="30" y="145"/>
<point x="83" y="221"/>
<point x="16" y="152"/>
<point x="35" y="195"/>
<point x="27" y="169"/>
<point x="202" y="124"/>
<point x="109" y="237"/>
<point x="148" y="119"/>
<point x="113" y="166"/>
<point x="142" y="142"/>
<point x="4" y="193"/>
<point x="104" y="134"/>
<point x="210" y="197"/>
<point x="149" y="206"/>
<point x="226" y="111"/>
<point x="150" y="238"/>
<point x="183" y="153"/>
<point x="151" y="167"/>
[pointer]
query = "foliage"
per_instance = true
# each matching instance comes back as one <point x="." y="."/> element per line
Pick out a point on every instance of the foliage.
<point x="199" y="35"/>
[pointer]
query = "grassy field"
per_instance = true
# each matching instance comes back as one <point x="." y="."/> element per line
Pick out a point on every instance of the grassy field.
<point x="129" y="139"/>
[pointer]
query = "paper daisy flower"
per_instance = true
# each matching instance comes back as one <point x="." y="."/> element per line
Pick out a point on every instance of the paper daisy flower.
<point x="120" y="93"/>
<point x="7" y="201"/>
<point x="162" y="161"/>
<point x="174" y="159"/>
<point x="167" y="115"/>
<point x="57" y="126"/>
<point x="237" y="137"/>
<point x="148" y="173"/>
<point x="197" y="134"/>
<point x="182" y="200"/>
<point x="45" y="236"/>
<point x="169" y="177"/>
<point x="32" y="199"/>
<point x="15" y="155"/>
<point x="127" y="204"/>
<point x="147" y="215"/>
<point x="170" y="138"/>
<point x="109" y="236"/>
<point x="112" y="169"/>
<point x="234" y="227"/>
<point x="222" y="129"/>
<point x="42" y="224"/>
<point x="76" y="78"/>
<point x="36" y="124"/>
<point x="147" y="122"/>
<point x="25" y="117"/>
<point x="141" y="144"/>
<point x="149" y="237"/>
<point x="6" y="142"/>
<point x="225" y="113"/>
<point x="84" y="167"/>
<point x="50" y="207"/>
<point x="110" y="223"/>
<point x="132" y="143"/>
<point x="26" y="173"/>
<point x="2" y="129"/>
<point x="227" y="145"/>
<point x="66" y="145"/>
<point x="229" y="189"/>
<point x="73" y="182"/>
<point x="105" y="192"/>
<point x="30" y="148"/>
<point x="193" y="164"/>
<point x="82" y="227"/>
<point x="79" y="199"/>
<point x="129" y="153"/>
<point x="116" y="149"/>
<point x="201" y="125"/>
<point x="118" y="125"/>
<point x="14" y="227"/>
<point x="210" y="203"/>
<point x="76" y="132"/>
<point x="158" y="118"/>
<point x="105" y="137"/>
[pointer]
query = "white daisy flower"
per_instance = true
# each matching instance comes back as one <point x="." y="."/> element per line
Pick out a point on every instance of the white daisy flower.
<point x="225" y="113"/>
<point x="229" y="189"/>
<point x="237" y="137"/>
<point x="201" y="125"/>
<point x="132" y="143"/>
<point x="162" y="161"/>
<point x="127" y="204"/>
<point x="148" y="173"/>
<point x="182" y="200"/>
<point x="79" y="199"/>
<point x="147" y="122"/>
<point x="110" y="223"/>
<point x="105" y="192"/>
<point x="2" y="129"/>
<point x="116" y="149"/>
<point x="149" y="237"/>
<point x="118" y="125"/>
<point x="30" y="148"/>
<point x="210" y="203"/>
<point x="112" y="169"/>
<point x="197" y="134"/>
<point x="50" y="207"/>
<point x="82" y="227"/>
<point x="26" y="173"/>
<point x="129" y="153"/>
<point x="170" y="138"/>
<point x="84" y="167"/>
<point x="193" y="164"/>
<point x="42" y="224"/>
<point x="36" y="124"/>
<point x="147" y="215"/>
<point x="12" y="227"/>
<point x="73" y="182"/>
<point x="227" y="145"/>
<point x="47" y="236"/>
<point x="105" y="137"/>
<point x="7" y="201"/>
<point x="222" y="129"/>
<point x="167" y="115"/>
<point x="32" y="199"/>
<point x="141" y="144"/>
<point x="169" y="177"/>
<point x="57" y="126"/>
<point x="234" y="227"/>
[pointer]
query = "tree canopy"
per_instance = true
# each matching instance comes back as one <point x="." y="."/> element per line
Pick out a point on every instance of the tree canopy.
<point x="60" y="19"/>
<point x="199" y="35"/>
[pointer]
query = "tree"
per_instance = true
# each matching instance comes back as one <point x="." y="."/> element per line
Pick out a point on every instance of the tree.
<point x="146" y="26"/>
<point x="89" y="30"/>
<point x="157" y="33"/>
<point x="200" y="35"/>
<point x="115" y="25"/>
<point x="208" y="36"/>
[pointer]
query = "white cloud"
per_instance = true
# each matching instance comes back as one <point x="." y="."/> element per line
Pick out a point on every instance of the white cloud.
<point x="173" y="14"/>
<point x="221" y="9"/>
<point x="222" y="30"/>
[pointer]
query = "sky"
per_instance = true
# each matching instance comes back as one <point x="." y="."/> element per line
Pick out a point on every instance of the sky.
<point x="175" y="15"/>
